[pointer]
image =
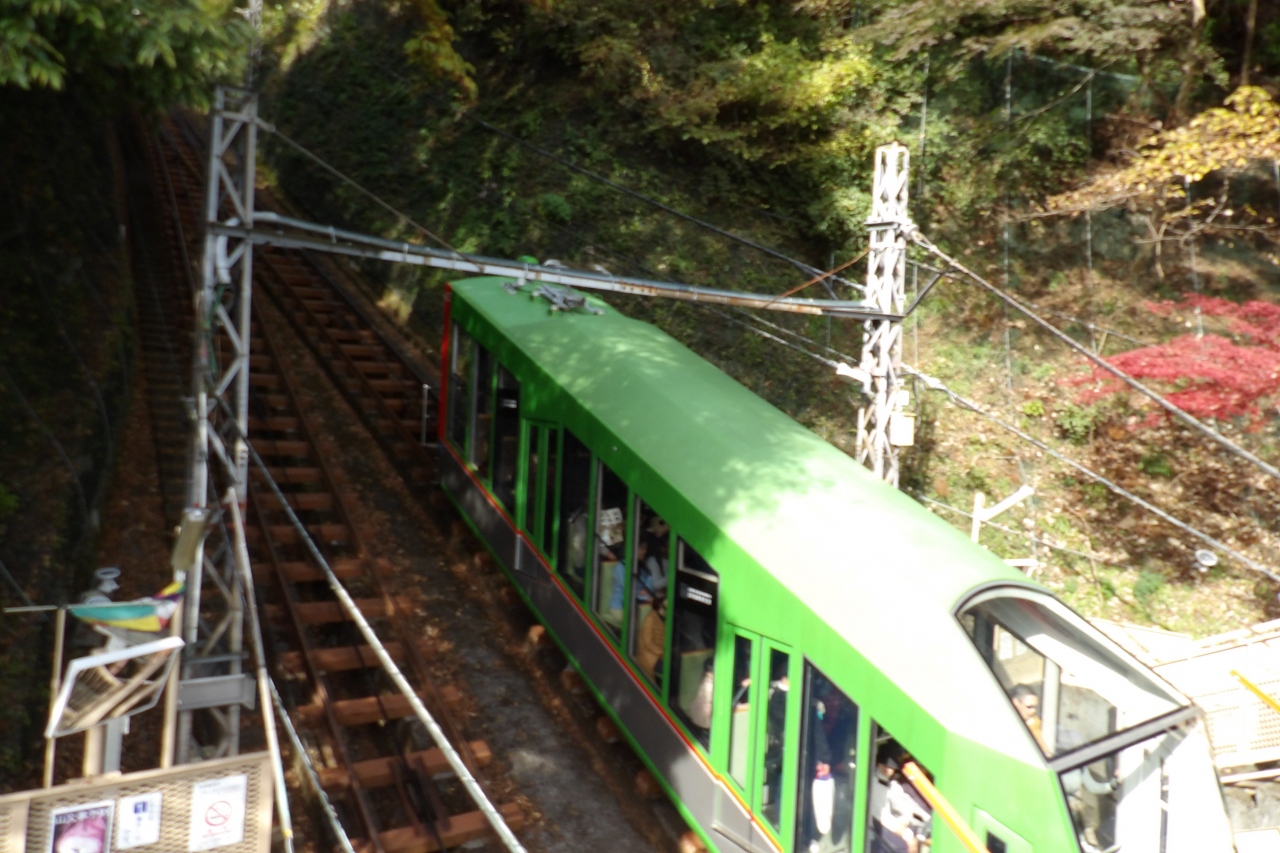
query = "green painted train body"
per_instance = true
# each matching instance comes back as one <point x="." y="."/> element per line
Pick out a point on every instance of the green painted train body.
<point x="811" y="611"/>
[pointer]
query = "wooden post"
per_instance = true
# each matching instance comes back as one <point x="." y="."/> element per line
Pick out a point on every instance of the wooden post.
<point x="979" y="504"/>
<point x="55" y="684"/>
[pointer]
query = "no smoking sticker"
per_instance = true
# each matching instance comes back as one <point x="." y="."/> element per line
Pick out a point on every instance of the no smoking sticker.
<point x="217" y="812"/>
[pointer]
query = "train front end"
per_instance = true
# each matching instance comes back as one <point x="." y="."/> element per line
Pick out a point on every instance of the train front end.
<point x="1130" y="752"/>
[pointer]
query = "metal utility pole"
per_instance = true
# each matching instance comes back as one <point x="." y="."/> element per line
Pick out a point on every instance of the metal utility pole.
<point x="884" y="426"/>
<point x="212" y="679"/>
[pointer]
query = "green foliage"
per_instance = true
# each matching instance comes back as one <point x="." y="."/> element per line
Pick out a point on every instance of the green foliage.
<point x="1157" y="465"/>
<point x="432" y="47"/>
<point x="1033" y="409"/>
<point x="1077" y="424"/>
<point x="152" y="52"/>
<point x="554" y="206"/>
<point x="1094" y="493"/>
<point x="8" y="502"/>
<point x="1148" y="584"/>
<point x="1102" y="31"/>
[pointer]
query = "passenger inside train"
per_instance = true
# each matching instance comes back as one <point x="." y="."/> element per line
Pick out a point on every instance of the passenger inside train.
<point x="828" y="765"/>
<point x="901" y="819"/>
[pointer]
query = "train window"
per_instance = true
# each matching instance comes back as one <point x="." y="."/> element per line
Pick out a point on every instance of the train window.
<point x="608" y="560"/>
<point x="1069" y="684"/>
<point x="506" y="439"/>
<point x="828" y="749"/>
<point x="1151" y="794"/>
<point x="650" y="548"/>
<point x="575" y="489"/>
<point x="461" y="353"/>
<point x="535" y="452"/>
<point x="775" y="737"/>
<point x="899" y="818"/>
<point x="549" y="493"/>
<point x="740" y="715"/>
<point x="482" y="415"/>
<point x="693" y="643"/>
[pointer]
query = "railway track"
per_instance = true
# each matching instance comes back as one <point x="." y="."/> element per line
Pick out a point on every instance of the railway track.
<point x="392" y="788"/>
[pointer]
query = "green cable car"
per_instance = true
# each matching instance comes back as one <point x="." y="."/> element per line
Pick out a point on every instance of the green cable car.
<point x="805" y="658"/>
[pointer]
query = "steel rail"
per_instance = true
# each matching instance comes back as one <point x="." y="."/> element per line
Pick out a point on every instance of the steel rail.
<point x="356" y="538"/>
<point x="422" y="820"/>
<point x="319" y="681"/>
<point x="478" y="796"/>
<point x="314" y="328"/>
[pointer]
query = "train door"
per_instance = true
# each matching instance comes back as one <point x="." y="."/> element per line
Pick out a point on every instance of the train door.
<point x="537" y="506"/>
<point x="761" y="743"/>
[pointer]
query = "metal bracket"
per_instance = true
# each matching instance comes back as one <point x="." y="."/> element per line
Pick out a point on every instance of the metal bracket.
<point x="217" y="691"/>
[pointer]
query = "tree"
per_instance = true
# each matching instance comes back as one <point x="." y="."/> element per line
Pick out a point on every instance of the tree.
<point x="767" y="83"/>
<point x="151" y="52"/>
<point x="1163" y="40"/>
<point x="433" y="48"/>
<point x="1207" y="153"/>
<point x="1103" y="31"/>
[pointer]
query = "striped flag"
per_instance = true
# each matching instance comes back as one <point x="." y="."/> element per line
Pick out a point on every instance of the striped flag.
<point x="150" y="614"/>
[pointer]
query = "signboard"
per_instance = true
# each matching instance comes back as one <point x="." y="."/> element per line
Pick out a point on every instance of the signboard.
<point x="81" y="829"/>
<point x="217" y="812"/>
<point x="138" y="820"/>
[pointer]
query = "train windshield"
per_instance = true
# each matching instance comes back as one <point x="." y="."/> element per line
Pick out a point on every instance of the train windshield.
<point x="1132" y="758"/>
<point x="1156" y="795"/>
<point x="1070" y="684"/>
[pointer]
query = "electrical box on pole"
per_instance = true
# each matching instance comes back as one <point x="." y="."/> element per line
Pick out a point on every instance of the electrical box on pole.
<point x="884" y="425"/>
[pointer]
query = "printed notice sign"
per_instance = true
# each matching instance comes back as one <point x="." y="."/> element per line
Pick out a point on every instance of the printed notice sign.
<point x="81" y="829"/>
<point x="217" y="812"/>
<point x="138" y="820"/>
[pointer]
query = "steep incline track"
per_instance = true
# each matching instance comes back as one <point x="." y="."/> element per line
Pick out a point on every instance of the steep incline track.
<point x="392" y="787"/>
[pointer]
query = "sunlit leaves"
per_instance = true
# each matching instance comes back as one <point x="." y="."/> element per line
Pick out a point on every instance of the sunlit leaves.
<point x="155" y="52"/>
<point x="432" y="48"/>
<point x="1101" y="30"/>
<point x="1223" y="139"/>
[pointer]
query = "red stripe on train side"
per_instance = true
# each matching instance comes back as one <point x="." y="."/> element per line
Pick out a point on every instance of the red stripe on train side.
<point x="446" y="345"/>
<point x="626" y="665"/>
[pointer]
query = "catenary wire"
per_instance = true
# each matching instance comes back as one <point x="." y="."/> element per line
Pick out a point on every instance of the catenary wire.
<point x="587" y="173"/>
<point x="928" y="246"/>
<point x="934" y="384"/>
<point x="956" y="265"/>
<point x="920" y="496"/>
<point x="653" y="202"/>
<point x="924" y="242"/>
<point x="351" y="182"/>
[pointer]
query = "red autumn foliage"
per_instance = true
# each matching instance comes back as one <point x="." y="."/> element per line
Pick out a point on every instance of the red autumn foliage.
<point x="1210" y="376"/>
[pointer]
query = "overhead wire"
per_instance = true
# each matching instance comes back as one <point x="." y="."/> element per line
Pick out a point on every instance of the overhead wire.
<point x="935" y="384"/>
<point x="587" y="173"/>
<point x="920" y="496"/>
<point x="1179" y="413"/>
<point x="653" y="202"/>
<point x="601" y="179"/>
<point x="351" y="182"/>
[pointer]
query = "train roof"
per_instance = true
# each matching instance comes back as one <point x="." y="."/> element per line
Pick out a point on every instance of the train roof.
<point x="881" y="570"/>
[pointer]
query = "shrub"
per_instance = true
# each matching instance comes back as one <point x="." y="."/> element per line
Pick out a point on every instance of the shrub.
<point x="1077" y="423"/>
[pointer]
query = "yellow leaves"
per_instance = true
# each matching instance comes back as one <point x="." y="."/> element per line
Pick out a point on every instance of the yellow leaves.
<point x="1245" y="130"/>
